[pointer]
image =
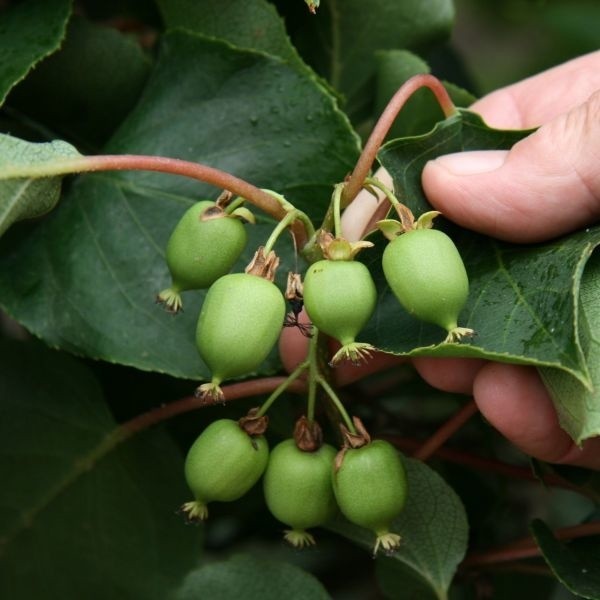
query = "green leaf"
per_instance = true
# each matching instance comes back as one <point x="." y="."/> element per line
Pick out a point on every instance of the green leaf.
<point x="522" y="300"/>
<point x="248" y="24"/>
<point x="434" y="532"/>
<point x="250" y="578"/>
<point x="574" y="563"/>
<point x="97" y="263"/>
<point x="76" y="521"/>
<point x="422" y="111"/>
<point x="577" y="406"/>
<point x="88" y="86"/>
<point x="29" y="31"/>
<point x="342" y="41"/>
<point x="26" y="197"/>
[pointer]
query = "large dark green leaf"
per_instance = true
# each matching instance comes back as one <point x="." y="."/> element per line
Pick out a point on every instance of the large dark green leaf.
<point x="29" y="31"/>
<point x="574" y="563"/>
<point x="250" y="578"/>
<point x="434" y="532"/>
<point x="86" y="278"/>
<point x="342" y="40"/>
<point x="252" y="24"/>
<point x="75" y="523"/>
<point x="87" y="87"/>
<point x="523" y="299"/>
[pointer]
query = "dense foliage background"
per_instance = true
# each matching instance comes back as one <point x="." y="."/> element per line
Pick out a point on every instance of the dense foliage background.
<point x="282" y="98"/>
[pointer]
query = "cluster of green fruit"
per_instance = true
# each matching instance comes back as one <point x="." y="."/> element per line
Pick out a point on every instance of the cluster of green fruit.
<point x="242" y="315"/>
<point x="240" y="321"/>
<point x="305" y="481"/>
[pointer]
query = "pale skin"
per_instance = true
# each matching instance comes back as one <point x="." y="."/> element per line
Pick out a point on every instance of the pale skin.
<point x="524" y="191"/>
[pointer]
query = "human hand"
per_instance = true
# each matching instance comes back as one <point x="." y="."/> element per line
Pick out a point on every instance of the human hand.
<point x="545" y="186"/>
<point x="519" y="196"/>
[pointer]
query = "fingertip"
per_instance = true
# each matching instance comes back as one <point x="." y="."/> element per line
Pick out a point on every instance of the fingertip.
<point x="514" y="401"/>
<point x="455" y="375"/>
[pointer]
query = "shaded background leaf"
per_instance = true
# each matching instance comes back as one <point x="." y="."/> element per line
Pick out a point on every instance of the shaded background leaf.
<point x="434" y="531"/>
<point x="251" y="578"/>
<point x="250" y="24"/>
<point x="575" y="563"/>
<point x="342" y="40"/>
<point x="87" y="87"/>
<point x="29" y="31"/>
<point x="73" y="524"/>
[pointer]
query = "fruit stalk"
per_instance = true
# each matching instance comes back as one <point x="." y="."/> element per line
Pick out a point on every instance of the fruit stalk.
<point x="337" y="402"/>
<point x="174" y="166"/>
<point x="385" y="121"/>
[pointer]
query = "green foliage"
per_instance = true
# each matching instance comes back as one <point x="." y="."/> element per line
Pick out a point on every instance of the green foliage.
<point x="29" y="32"/>
<point x="575" y="564"/>
<point x="236" y="578"/>
<point x="79" y="517"/>
<point x="278" y="96"/>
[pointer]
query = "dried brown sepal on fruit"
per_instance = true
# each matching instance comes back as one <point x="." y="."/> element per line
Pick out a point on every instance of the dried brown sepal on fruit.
<point x="253" y="424"/>
<point x="308" y="435"/>
<point x="263" y="265"/>
<point x="352" y="440"/>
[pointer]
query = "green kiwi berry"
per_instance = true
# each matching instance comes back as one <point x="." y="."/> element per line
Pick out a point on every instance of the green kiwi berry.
<point x="203" y="247"/>
<point x="340" y="297"/>
<point x="298" y="489"/>
<point x="370" y="489"/>
<point x="427" y="275"/>
<point x="240" y="322"/>
<point x="222" y="465"/>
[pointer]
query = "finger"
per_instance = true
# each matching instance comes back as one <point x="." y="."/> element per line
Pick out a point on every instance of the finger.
<point x="543" y="97"/>
<point x="293" y="344"/>
<point x="546" y="185"/>
<point x="293" y="350"/>
<point x="514" y="400"/>
<point x="454" y="375"/>
<point x="360" y="216"/>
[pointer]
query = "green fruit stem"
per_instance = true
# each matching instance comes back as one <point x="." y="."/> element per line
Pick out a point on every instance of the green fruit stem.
<point x="282" y="388"/>
<point x="292" y="216"/>
<point x="385" y="121"/>
<point x="313" y="372"/>
<point x="337" y="209"/>
<point x="337" y="402"/>
<point x="406" y="217"/>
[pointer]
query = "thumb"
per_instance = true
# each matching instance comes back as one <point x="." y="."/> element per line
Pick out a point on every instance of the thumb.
<point x="546" y="185"/>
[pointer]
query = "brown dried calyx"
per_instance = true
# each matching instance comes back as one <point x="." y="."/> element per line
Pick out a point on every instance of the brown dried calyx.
<point x="352" y="440"/>
<point x="263" y="265"/>
<point x="308" y="435"/>
<point x="253" y="424"/>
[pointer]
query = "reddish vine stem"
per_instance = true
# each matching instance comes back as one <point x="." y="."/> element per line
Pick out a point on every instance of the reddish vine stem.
<point x="385" y="121"/>
<point x="486" y="465"/>
<point x="449" y="428"/>
<point x="527" y="547"/>
<point x="176" y="166"/>
<point x="234" y="391"/>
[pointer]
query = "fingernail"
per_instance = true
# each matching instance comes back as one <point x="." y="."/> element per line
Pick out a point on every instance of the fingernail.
<point x="472" y="163"/>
